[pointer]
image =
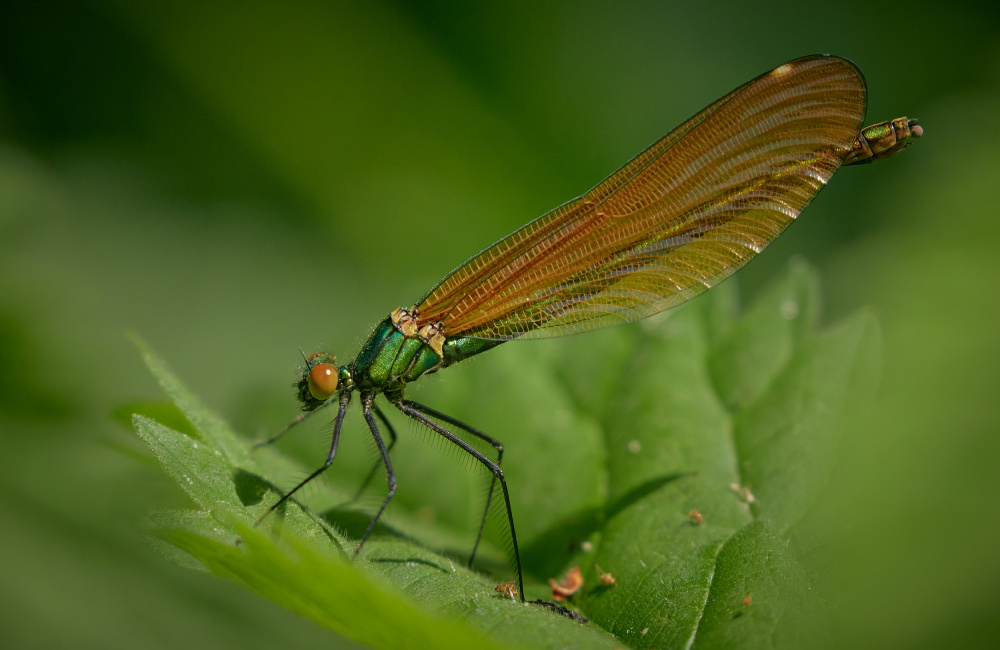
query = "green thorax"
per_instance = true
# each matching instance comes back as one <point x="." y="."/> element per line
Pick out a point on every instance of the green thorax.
<point x="390" y="360"/>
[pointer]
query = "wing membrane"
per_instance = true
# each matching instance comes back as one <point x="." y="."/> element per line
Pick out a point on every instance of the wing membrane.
<point x="676" y="220"/>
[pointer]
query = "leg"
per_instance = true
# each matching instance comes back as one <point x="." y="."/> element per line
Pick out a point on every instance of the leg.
<point x="414" y="411"/>
<point x="388" y="426"/>
<point x="345" y="399"/>
<point x="426" y="410"/>
<point x="366" y="407"/>
<point x="392" y="443"/>
<point x="301" y="417"/>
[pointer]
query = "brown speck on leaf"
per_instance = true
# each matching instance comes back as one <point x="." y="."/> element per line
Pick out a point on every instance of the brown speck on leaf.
<point x="507" y="589"/>
<point x="606" y="578"/>
<point x="695" y="518"/>
<point x="569" y="585"/>
<point x="748" y="600"/>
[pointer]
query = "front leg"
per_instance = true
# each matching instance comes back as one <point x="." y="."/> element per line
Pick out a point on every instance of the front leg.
<point x="344" y="399"/>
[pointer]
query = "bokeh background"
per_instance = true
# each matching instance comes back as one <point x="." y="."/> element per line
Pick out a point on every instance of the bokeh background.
<point x="232" y="180"/>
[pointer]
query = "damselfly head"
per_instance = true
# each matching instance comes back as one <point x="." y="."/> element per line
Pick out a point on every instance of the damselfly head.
<point x="318" y="381"/>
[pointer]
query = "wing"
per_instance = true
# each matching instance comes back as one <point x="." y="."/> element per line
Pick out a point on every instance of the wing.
<point x="676" y="220"/>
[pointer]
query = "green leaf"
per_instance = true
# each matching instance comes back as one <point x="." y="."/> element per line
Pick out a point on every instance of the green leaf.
<point x="611" y="440"/>
<point x="303" y="562"/>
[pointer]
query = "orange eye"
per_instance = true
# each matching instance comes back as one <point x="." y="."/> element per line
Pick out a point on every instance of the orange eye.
<point x="322" y="381"/>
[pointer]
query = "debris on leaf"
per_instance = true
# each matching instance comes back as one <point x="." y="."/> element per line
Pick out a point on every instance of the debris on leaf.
<point x="606" y="578"/>
<point x="744" y="492"/>
<point x="746" y="604"/>
<point x="507" y="589"/>
<point x="695" y="518"/>
<point x="569" y="586"/>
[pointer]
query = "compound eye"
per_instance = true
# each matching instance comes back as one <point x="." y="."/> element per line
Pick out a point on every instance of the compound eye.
<point x="322" y="381"/>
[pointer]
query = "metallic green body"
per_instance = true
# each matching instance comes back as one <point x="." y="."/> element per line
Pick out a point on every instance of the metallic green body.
<point x="389" y="360"/>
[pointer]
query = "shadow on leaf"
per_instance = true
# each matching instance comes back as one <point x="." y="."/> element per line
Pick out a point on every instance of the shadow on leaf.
<point x="547" y="553"/>
<point x="250" y="488"/>
<point x="408" y="561"/>
<point x="641" y="491"/>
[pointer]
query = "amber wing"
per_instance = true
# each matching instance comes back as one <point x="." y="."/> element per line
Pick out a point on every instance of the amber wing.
<point x="676" y="220"/>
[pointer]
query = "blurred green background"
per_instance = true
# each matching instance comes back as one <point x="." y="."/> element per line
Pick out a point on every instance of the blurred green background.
<point x="235" y="179"/>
